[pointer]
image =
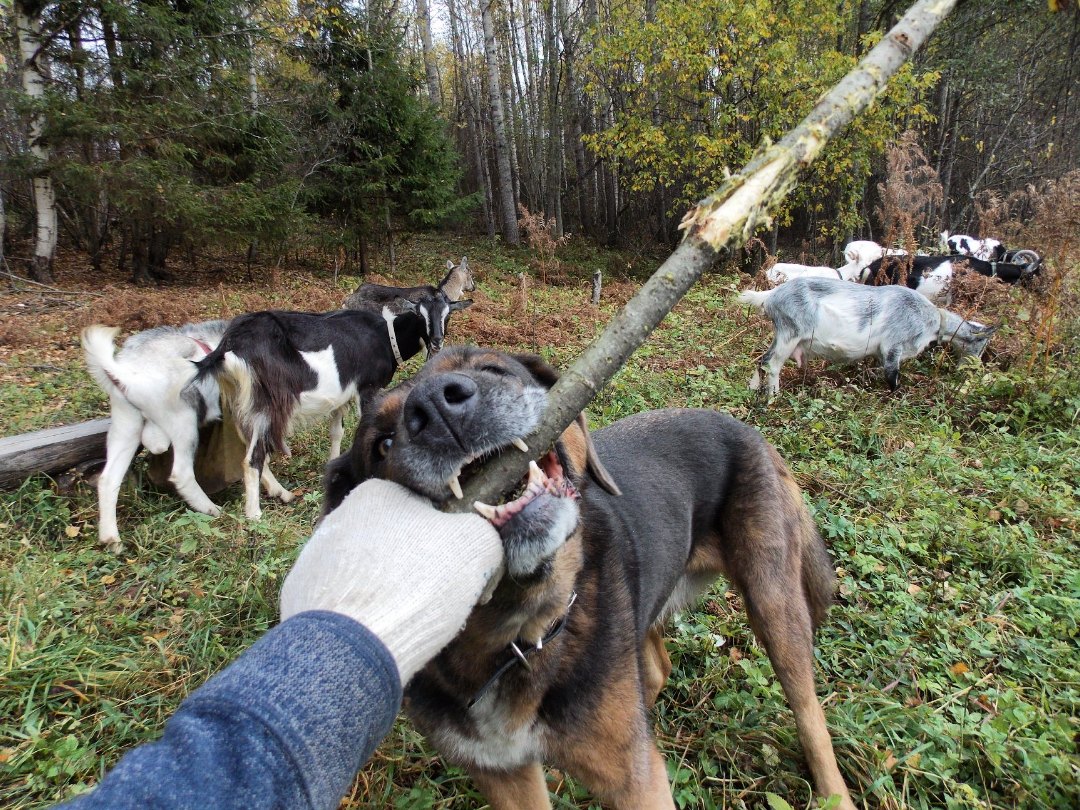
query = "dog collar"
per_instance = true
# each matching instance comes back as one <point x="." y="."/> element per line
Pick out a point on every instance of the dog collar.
<point x="520" y="652"/>
<point x="389" y="318"/>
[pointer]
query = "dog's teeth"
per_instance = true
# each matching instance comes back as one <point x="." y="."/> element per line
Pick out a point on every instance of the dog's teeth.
<point x="519" y="443"/>
<point x="536" y="475"/>
<point x="455" y="486"/>
<point x="485" y="510"/>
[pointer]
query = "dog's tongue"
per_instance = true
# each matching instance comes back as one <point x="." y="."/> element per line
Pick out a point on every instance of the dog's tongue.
<point x="549" y="479"/>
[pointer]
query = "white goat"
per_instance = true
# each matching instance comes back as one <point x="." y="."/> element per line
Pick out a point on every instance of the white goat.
<point x="844" y="322"/>
<point x="151" y="404"/>
<point x="785" y="271"/>
<point x="862" y="253"/>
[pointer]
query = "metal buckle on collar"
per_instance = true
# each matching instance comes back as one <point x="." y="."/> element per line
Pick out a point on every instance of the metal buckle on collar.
<point x="520" y="656"/>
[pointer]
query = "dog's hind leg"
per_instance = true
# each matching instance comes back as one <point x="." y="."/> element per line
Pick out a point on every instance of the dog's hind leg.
<point x="523" y="788"/>
<point x="121" y="445"/>
<point x="781" y="619"/>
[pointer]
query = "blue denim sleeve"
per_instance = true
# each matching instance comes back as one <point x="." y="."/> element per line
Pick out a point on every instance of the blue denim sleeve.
<point x="287" y="725"/>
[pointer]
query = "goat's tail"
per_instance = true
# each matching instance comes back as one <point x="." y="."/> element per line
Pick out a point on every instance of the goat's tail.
<point x="97" y="342"/>
<point x="754" y="298"/>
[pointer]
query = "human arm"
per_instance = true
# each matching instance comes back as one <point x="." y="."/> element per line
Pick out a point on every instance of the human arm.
<point x="382" y="585"/>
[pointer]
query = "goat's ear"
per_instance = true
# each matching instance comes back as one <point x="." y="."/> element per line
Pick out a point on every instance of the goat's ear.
<point x="449" y="264"/>
<point x="984" y="331"/>
<point x="463" y="304"/>
<point x="401" y="305"/>
<point x="464" y="263"/>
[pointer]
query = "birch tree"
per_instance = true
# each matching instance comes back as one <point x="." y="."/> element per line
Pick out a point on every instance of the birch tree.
<point x="504" y="179"/>
<point x="35" y="76"/>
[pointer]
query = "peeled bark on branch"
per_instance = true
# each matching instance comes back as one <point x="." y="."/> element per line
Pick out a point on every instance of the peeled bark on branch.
<point x="718" y="225"/>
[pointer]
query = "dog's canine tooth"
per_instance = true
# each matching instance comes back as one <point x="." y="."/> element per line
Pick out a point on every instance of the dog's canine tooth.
<point x="485" y="510"/>
<point x="519" y="443"/>
<point x="455" y="486"/>
<point x="536" y="475"/>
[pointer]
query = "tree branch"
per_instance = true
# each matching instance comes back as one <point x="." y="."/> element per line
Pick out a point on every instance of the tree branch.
<point x="718" y="225"/>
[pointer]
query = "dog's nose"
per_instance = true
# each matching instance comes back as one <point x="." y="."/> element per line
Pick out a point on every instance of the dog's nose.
<point x="436" y="403"/>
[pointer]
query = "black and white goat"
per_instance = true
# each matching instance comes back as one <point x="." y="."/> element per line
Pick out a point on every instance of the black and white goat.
<point x="932" y="276"/>
<point x="843" y="322"/>
<point x="960" y="244"/>
<point x="457" y="281"/>
<point x="152" y="404"/>
<point x="279" y="369"/>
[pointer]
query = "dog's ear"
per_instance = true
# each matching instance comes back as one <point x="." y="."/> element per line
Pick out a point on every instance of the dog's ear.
<point x="592" y="460"/>
<point x="542" y="371"/>
<point x="338" y="481"/>
<point x="548" y="376"/>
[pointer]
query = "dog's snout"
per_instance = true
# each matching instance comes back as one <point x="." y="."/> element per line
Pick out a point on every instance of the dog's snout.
<point x="437" y="402"/>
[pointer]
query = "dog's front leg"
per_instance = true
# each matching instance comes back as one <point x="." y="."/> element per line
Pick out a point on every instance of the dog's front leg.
<point x="523" y="788"/>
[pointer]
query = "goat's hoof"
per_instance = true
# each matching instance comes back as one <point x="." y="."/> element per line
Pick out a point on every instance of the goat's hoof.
<point x="253" y="516"/>
<point x="285" y="496"/>
<point x="112" y="545"/>
<point x="213" y="510"/>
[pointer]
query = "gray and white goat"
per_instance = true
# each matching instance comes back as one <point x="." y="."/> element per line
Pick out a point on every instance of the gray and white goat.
<point x="844" y="322"/>
<point x="152" y="404"/>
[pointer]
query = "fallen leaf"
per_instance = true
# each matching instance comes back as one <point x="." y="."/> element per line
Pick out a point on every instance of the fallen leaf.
<point x="736" y="654"/>
<point x="72" y="531"/>
<point x="1021" y="506"/>
<point x="6" y="754"/>
<point x="108" y="579"/>
<point x="994" y="515"/>
<point x="890" y="761"/>
<point x="914" y="589"/>
<point x="914" y="760"/>
<point x="959" y="668"/>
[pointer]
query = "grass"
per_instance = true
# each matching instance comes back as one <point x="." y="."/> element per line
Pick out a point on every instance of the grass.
<point x="948" y="668"/>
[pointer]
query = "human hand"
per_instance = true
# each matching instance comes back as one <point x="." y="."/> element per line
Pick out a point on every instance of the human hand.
<point x="393" y="562"/>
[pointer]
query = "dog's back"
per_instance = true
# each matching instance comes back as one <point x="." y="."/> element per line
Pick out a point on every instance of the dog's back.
<point x="704" y="494"/>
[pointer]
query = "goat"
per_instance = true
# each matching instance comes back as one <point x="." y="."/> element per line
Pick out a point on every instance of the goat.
<point x="785" y="271"/>
<point x="932" y="276"/>
<point x="281" y="368"/>
<point x="151" y="403"/>
<point x="862" y="252"/>
<point x="457" y="281"/>
<point x="829" y="318"/>
<point x="990" y="250"/>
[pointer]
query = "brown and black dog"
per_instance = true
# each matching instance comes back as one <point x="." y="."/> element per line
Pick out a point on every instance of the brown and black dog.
<point x="564" y="661"/>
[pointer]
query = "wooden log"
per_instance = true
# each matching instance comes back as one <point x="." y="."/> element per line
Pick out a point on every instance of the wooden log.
<point x="50" y="451"/>
<point x="218" y="461"/>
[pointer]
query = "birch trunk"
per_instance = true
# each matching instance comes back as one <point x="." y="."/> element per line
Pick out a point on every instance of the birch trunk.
<point x="423" y="21"/>
<point x="34" y="78"/>
<point x="714" y="228"/>
<point x="504" y="179"/>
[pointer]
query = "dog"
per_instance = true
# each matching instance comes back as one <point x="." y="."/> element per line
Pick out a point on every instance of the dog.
<point x="563" y="662"/>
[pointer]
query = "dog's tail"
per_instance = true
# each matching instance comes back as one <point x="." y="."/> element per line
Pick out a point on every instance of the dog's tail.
<point x="97" y="342"/>
<point x="754" y="298"/>
<point x="818" y="574"/>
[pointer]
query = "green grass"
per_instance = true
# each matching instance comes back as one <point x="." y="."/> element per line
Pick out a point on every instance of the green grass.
<point x="949" y="668"/>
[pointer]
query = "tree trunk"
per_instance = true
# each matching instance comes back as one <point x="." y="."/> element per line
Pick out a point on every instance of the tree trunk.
<point x="505" y="182"/>
<point x="34" y="78"/>
<point x="423" y="22"/>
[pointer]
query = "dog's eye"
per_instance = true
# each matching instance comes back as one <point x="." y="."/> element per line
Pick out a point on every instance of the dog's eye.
<point x="382" y="447"/>
<point x="492" y="369"/>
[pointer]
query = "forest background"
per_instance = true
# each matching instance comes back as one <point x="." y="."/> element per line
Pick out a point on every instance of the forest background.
<point x="158" y="133"/>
